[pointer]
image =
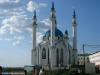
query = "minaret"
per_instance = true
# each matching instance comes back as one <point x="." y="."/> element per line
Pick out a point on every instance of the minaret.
<point x="53" y="23"/>
<point x="34" y="29"/>
<point x="52" y="37"/>
<point x="34" y="52"/>
<point x="74" y="26"/>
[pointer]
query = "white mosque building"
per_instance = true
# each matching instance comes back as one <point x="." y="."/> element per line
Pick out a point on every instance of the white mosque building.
<point x="55" y="49"/>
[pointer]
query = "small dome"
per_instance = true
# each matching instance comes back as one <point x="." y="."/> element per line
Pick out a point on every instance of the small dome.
<point x="66" y="32"/>
<point x="57" y="33"/>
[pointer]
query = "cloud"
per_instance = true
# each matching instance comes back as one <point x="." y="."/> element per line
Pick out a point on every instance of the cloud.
<point x="17" y="40"/>
<point x="39" y="36"/>
<point x="7" y="39"/>
<point x="45" y="23"/>
<point x="18" y="37"/>
<point x="15" y="21"/>
<point x="29" y="29"/>
<point x="14" y="24"/>
<point x="10" y="4"/>
<point x="9" y="1"/>
<point x="18" y="24"/>
<point x="6" y="13"/>
<point x="16" y="43"/>
<point x="32" y="5"/>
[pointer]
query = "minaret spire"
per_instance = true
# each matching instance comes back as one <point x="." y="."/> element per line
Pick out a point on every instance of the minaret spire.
<point x="74" y="14"/>
<point x="53" y="14"/>
<point x="53" y="8"/>
<point x="74" y="26"/>
<point x="34" y="51"/>
<point x="34" y="18"/>
<point x="74" y="18"/>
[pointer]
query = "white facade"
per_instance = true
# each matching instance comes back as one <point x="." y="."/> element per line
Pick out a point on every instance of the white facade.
<point x="54" y="50"/>
<point x="95" y="58"/>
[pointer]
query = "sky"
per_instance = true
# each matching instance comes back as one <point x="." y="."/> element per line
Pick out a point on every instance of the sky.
<point x="16" y="23"/>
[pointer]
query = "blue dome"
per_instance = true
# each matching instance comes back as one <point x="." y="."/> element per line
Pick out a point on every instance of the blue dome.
<point x="57" y="33"/>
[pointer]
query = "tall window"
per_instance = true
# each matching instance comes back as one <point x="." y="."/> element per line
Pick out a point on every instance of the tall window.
<point x="61" y="57"/>
<point x="57" y="57"/>
<point x="48" y="57"/>
<point x="44" y="53"/>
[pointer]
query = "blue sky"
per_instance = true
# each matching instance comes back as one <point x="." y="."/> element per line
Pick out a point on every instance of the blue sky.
<point x="16" y="20"/>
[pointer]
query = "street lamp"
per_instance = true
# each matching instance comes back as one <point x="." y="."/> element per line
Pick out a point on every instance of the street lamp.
<point x="84" y="57"/>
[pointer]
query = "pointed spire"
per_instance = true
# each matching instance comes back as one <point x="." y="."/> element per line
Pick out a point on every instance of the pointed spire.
<point x="74" y="14"/>
<point x="53" y="13"/>
<point x="53" y="8"/>
<point x="74" y="18"/>
<point x="34" y="17"/>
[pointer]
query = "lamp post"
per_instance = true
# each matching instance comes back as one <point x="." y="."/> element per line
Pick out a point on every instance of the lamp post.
<point x="84" y="58"/>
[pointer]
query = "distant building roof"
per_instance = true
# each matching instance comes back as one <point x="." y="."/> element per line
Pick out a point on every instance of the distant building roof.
<point x="83" y="54"/>
<point x="95" y="52"/>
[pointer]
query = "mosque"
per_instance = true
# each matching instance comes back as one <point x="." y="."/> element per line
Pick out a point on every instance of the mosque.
<point x="55" y="50"/>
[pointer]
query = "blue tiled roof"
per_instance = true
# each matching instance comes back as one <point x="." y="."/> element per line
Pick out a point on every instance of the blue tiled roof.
<point x="57" y="33"/>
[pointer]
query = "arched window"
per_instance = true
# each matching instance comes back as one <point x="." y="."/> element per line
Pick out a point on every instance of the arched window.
<point x="57" y="61"/>
<point x="61" y="56"/>
<point x="44" y="53"/>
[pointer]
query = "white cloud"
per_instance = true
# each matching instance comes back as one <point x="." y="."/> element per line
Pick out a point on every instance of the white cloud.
<point x="46" y="22"/>
<point x="43" y="4"/>
<point x="13" y="24"/>
<point x="18" y="24"/>
<point x="3" y="1"/>
<point x="44" y="25"/>
<point x="17" y="40"/>
<point x="29" y="29"/>
<point x="18" y="37"/>
<point x="8" y="1"/>
<point x="32" y="5"/>
<point x="17" y="1"/>
<point x="15" y="21"/>
<point x="16" y="43"/>
<point x="7" y="39"/>
<point x="39" y="36"/>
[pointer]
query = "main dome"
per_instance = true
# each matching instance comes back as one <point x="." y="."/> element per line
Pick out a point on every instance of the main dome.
<point x="58" y="33"/>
